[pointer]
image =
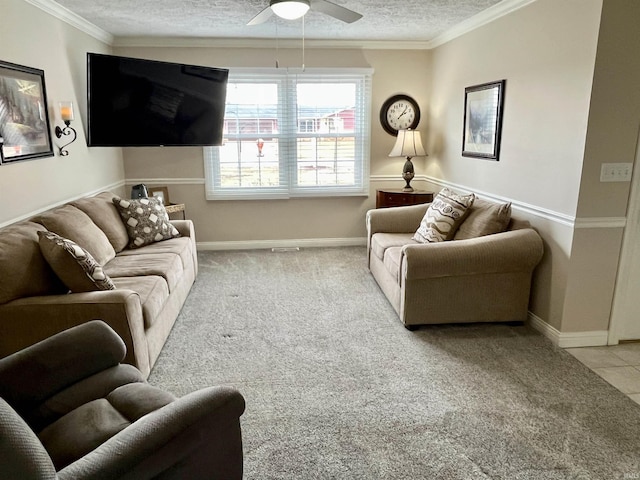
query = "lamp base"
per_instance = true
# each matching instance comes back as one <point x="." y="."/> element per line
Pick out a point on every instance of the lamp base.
<point x="408" y="174"/>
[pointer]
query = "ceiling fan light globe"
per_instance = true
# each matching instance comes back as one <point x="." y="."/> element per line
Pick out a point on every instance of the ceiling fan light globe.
<point x="290" y="9"/>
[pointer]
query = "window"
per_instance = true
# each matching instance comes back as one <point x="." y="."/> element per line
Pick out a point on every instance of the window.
<point x="292" y="135"/>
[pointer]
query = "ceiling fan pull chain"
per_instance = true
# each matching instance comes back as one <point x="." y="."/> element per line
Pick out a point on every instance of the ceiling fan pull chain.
<point x="277" y="45"/>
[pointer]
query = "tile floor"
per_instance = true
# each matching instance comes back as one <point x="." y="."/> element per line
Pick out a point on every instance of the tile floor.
<point x="617" y="364"/>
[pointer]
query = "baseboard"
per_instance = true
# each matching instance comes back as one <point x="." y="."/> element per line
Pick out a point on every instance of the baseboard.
<point x="595" y="338"/>
<point x="286" y="243"/>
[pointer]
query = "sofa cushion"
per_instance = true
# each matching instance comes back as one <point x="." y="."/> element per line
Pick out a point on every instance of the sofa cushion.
<point x="85" y="428"/>
<point x="75" y="266"/>
<point x="443" y="217"/>
<point x="25" y="272"/>
<point x="485" y="218"/>
<point x="81" y="431"/>
<point x="179" y="246"/>
<point x="104" y="214"/>
<point x="72" y="223"/>
<point x="135" y="400"/>
<point x="153" y="292"/>
<point x="166" y="265"/>
<point x="146" y="220"/>
<point x="391" y="260"/>
<point x="380" y="242"/>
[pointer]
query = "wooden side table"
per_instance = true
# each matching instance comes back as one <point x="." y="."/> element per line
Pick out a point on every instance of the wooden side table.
<point x="176" y="208"/>
<point x="398" y="198"/>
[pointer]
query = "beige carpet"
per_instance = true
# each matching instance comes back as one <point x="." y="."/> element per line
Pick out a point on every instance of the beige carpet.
<point x="337" y="388"/>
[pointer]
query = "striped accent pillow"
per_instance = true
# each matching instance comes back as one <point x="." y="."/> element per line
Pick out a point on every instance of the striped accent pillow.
<point x="74" y="265"/>
<point x="443" y="217"/>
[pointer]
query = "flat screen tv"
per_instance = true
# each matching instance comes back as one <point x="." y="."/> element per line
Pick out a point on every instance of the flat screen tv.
<point x="140" y="103"/>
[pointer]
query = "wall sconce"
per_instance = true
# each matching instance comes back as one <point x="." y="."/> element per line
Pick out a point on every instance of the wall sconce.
<point x="66" y="114"/>
<point x="409" y="145"/>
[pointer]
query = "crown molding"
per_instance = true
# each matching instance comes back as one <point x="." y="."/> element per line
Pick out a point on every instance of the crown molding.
<point x="486" y="16"/>
<point x="209" y="42"/>
<point x="56" y="10"/>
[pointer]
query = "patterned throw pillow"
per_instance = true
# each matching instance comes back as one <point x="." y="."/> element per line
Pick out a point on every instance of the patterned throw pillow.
<point x="75" y="266"/>
<point x="443" y="217"/>
<point x="146" y="220"/>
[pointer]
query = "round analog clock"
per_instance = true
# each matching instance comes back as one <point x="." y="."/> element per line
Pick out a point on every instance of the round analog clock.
<point x="399" y="112"/>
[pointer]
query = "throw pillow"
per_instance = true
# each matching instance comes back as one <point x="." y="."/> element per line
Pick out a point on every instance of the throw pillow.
<point x="443" y="217"/>
<point x="105" y="215"/>
<point x="75" y="266"/>
<point x="146" y="219"/>
<point x="485" y="218"/>
<point x="72" y="223"/>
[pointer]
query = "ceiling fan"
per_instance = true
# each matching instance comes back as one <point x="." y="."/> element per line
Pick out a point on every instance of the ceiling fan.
<point x="292" y="9"/>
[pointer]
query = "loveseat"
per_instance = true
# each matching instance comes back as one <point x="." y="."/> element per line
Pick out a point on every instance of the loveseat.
<point x="146" y="285"/>
<point x="479" y="270"/>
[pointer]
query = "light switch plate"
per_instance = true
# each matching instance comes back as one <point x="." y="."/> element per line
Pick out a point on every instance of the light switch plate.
<point x="616" y="172"/>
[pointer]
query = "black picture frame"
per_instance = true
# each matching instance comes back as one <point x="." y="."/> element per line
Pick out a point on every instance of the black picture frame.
<point x="483" y="111"/>
<point x="24" y="118"/>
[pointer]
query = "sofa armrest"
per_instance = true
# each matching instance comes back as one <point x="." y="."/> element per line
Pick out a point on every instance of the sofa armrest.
<point x="196" y="437"/>
<point x="511" y="251"/>
<point x="395" y="219"/>
<point x="29" y="320"/>
<point x="185" y="227"/>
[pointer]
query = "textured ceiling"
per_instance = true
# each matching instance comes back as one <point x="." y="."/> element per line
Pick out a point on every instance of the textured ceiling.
<point x="383" y="20"/>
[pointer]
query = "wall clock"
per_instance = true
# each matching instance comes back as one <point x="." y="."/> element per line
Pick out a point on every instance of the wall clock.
<point x="399" y="112"/>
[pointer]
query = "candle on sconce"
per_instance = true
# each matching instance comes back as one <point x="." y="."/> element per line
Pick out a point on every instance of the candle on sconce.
<point x="66" y="111"/>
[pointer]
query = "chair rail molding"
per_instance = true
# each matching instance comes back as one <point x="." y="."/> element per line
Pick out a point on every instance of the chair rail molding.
<point x="26" y="216"/>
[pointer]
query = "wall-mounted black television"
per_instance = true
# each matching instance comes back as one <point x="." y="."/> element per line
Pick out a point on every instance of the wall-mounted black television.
<point x="141" y="103"/>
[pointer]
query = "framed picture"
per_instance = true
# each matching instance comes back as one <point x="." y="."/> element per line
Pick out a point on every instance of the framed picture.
<point x="483" y="106"/>
<point x="24" y="122"/>
<point x="160" y="192"/>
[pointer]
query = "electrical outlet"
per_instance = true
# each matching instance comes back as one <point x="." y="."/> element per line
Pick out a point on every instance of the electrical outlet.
<point x="616" y="172"/>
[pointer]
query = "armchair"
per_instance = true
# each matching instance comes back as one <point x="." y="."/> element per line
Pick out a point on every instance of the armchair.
<point x="70" y="410"/>
<point x="482" y="279"/>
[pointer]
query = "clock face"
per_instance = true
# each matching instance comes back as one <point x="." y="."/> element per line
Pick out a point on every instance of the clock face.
<point x="399" y="112"/>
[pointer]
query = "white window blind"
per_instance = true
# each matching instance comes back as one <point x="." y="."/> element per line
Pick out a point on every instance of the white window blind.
<point x="293" y="135"/>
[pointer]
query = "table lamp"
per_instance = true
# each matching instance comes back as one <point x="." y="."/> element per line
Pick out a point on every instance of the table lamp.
<point x="409" y="145"/>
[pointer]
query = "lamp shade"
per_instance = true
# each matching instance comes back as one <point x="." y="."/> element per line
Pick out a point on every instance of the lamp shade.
<point x="66" y="111"/>
<point x="408" y="144"/>
<point x="290" y="9"/>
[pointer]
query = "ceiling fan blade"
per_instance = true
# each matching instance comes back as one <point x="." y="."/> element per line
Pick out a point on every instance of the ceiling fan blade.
<point x="262" y="17"/>
<point x="336" y="11"/>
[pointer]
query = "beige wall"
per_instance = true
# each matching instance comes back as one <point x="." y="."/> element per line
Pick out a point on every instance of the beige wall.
<point x="36" y="39"/>
<point x="546" y="52"/>
<point x="395" y="71"/>
<point x="612" y="134"/>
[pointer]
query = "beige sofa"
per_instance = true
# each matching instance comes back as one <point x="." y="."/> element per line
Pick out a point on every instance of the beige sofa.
<point x="152" y="282"/>
<point x="480" y="279"/>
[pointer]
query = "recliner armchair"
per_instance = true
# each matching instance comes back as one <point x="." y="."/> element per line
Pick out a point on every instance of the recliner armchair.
<point x="70" y="410"/>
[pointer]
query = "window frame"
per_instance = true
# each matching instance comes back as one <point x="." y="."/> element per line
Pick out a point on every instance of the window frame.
<point x="287" y="81"/>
